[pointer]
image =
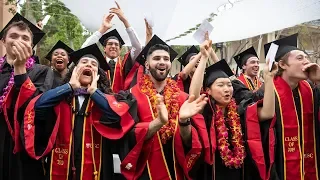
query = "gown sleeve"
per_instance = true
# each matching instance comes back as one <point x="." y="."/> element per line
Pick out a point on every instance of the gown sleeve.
<point x="42" y="119"/>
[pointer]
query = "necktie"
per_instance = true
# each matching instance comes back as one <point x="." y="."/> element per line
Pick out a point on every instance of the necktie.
<point x="80" y="91"/>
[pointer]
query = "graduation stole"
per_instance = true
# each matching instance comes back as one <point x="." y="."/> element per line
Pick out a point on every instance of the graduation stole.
<point x="299" y="162"/>
<point x="257" y="84"/>
<point x="62" y="154"/>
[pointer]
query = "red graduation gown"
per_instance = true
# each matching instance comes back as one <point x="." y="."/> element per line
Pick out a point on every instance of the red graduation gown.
<point x="147" y="158"/>
<point x="291" y="139"/>
<point x="252" y="87"/>
<point x="60" y="143"/>
<point x="118" y="74"/>
<point x="184" y="85"/>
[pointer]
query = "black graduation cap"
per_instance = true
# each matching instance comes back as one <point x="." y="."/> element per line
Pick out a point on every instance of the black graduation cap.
<point x="141" y="58"/>
<point x="37" y="33"/>
<point x="185" y="57"/>
<point x="244" y="56"/>
<point x="90" y="50"/>
<point x="114" y="34"/>
<point x="286" y="45"/>
<point x="219" y="69"/>
<point x="59" y="45"/>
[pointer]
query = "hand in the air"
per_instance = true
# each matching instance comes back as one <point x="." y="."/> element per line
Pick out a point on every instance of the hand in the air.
<point x="267" y="75"/>
<point x="118" y="11"/>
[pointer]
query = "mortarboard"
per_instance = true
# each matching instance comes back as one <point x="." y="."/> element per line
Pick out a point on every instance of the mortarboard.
<point x="286" y="45"/>
<point x="59" y="45"/>
<point x="219" y="69"/>
<point x="90" y="50"/>
<point x="114" y="34"/>
<point x="141" y="58"/>
<point x="244" y="56"/>
<point x="37" y="33"/>
<point x="185" y="57"/>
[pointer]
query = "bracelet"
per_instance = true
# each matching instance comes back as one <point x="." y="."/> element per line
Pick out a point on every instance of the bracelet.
<point x="187" y="123"/>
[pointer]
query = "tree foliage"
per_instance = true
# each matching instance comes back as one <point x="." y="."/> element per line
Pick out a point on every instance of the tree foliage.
<point x="62" y="25"/>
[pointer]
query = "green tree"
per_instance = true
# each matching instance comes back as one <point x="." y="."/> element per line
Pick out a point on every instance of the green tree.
<point x="62" y="25"/>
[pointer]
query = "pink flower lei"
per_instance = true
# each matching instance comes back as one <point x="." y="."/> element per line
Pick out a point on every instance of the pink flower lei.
<point x="5" y="90"/>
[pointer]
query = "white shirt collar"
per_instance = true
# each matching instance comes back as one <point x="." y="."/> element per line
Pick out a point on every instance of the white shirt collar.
<point x="108" y="59"/>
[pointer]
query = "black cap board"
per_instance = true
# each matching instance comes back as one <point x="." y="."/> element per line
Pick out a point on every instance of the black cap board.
<point x="59" y="45"/>
<point x="90" y="50"/>
<point x="244" y="56"/>
<point x="114" y="34"/>
<point x="286" y="45"/>
<point x="37" y="33"/>
<point x="219" y="69"/>
<point x="141" y="58"/>
<point x="185" y="57"/>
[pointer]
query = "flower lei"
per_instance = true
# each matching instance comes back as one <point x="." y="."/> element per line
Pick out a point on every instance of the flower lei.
<point x="231" y="158"/>
<point x="5" y="90"/>
<point x="171" y="95"/>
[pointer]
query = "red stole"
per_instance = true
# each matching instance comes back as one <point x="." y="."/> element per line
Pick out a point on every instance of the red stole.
<point x="26" y="91"/>
<point x="118" y="79"/>
<point x="299" y="162"/>
<point x="61" y="138"/>
<point x="150" y="153"/>
<point x="257" y="83"/>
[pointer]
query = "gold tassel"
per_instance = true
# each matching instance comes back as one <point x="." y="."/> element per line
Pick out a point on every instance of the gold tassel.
<point x="95" y="175"/>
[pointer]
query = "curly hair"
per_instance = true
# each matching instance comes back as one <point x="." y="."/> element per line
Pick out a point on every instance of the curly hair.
<point x="103" y="82"/>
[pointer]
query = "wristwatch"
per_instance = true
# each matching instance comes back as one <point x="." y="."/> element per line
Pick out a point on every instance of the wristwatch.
<point x="187" y="123"/>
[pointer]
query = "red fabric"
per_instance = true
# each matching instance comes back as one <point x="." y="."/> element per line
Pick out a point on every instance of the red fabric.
<point x="60" y="141"/>
<point x="150" y="152"/>
<point x="294" y="169"/>
<point x="254" y="139"/>
<point x="118" y="76"/>
<point x="179" y="81"/>
<point x="26" y="91"/>
<point x="122" y="109"/>
<point x="130" y="77"/>
<point x="244" y="80"/>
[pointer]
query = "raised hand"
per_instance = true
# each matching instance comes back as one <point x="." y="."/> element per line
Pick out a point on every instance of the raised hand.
<point x="149" y="31"/>
<point x="192" y="107"/>
<point x="106" y="23"/>
<point x="74" y="80"/>
<point x="162" y="110"/>
<point x="204" y="48"/>
<point x="267" y="74"/>
<point x="22" y="52"/>
<point x="118" y="11"/>
<point x="94" y="84"/>
<point x="313" y="70"/>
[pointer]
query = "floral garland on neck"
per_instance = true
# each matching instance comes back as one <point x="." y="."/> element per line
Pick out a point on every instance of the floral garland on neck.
<point x="171" y="94"/>
<point x="231" y="158"/>
<point x="5" y="90"/>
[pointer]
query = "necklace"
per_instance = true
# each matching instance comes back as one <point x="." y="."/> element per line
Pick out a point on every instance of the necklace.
<point x="6" y="90"/>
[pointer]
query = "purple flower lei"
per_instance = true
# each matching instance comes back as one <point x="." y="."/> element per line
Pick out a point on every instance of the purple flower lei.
<point x="5" y="90"/>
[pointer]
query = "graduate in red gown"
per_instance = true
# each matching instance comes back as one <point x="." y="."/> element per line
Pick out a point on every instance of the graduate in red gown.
<point x="248" y="62"/>
<point x="165" y="143"/>
<point x="21" y="79"/>
<point x="291" y="139"/>
<point x="236" y="150"/>
<point x="112" y="43"/>
<point x="189" y="60"/>
<point x="77" y="125"/>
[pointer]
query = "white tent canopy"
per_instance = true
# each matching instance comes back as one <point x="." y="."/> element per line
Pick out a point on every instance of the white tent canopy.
<point x="246" y="18"/>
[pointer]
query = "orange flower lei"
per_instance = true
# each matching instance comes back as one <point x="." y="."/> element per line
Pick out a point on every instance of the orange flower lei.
<point x="171" y="94"/>
<point x="231" y="158"/>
